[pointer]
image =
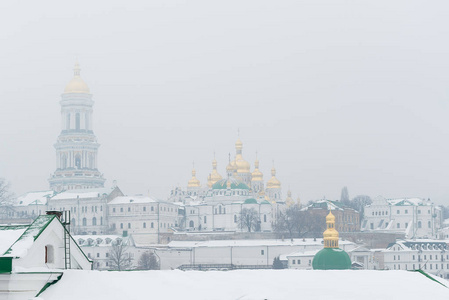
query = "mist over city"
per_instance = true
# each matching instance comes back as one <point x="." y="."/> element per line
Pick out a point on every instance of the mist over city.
<point x="211" y="144"/>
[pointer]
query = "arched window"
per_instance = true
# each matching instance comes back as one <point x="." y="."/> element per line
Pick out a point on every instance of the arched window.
<point x="235" y="218"/>
<point x="94" y="221"/>
<point x="77" y="117"/>
<point x="144" y="225"/>
<point x="429" y="224"/>
<point x="419" y="224"/>
<point x="191" y="224"/>
<point x="84" y="222"/>
<point x="68" y="122"/>
<point x="49" y="254"/>
<point x="152" y="225"/>
<point x="101" y="220"/>
<point x="78" y="161"/>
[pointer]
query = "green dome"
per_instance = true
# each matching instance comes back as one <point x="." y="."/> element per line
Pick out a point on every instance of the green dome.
<point x="331" y="259"/>
<point x="250" y="201"/>
<point x="265" y="202"/>
<point x="235" y="184"/>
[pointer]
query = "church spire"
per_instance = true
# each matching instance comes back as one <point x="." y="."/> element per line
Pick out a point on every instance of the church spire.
<point x="330" y="235"/>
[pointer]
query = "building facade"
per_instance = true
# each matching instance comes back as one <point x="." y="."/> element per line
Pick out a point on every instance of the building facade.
<point x="415" y="217"/>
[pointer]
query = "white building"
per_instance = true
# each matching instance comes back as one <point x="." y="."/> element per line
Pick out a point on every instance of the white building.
<point x="143" y="217"/>
<point x="240" y="253"/>
<point x="33" y="256"/>
<point x="432" y="256"/>
<point x="416" y="218"/>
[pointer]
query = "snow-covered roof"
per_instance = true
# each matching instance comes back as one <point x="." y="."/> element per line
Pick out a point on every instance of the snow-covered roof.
<point x="247" y="284"/>
<point x="247" y="243"/>
<point x="97" y="240"/>
<point x="408" y="201"/>
<point x="21" y="245"/>
<point x="132" y="199"/>
<point x="33" y="198"/>
<point x="83" y="193"/>
<point x="10" y="234"/>
<point x="302" y="253"/>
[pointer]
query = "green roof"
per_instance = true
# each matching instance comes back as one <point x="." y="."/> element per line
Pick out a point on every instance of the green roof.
<point x="331" y="259"/>
<point x="250" y="201"/>
<point x="33" y="232"/>
<point x="235" y="184"/>
<point x="265" y="202"/>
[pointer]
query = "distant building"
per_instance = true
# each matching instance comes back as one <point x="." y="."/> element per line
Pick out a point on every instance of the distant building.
<point x="346" y="218"/>
<point x="415" y="217"/>
<point x="432" y="256"/>
<point x="76" y="147"/>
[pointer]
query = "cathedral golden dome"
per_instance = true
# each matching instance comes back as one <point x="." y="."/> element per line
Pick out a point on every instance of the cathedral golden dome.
<point x="214" y="176"/>
<point x="256" y="175"/>
<point x="273" y="183"/>
<point x="193" y="182"/>
<point x="289" y="200"/>
<point x="76" y="85"/>
<point x="242" y="165"/>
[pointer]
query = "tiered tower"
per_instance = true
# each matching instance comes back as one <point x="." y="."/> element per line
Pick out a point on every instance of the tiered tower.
<point x="76" y="147"/>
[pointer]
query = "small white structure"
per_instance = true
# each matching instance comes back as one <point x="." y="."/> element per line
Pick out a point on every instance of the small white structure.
<point x="301" y="260"/>
<point x="31" y="256"/>
<point x="417" y="218"/>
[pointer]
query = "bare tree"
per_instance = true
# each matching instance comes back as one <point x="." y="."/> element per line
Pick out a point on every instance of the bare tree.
<point x="288" y="221"/>
<point x="119" y="257"/>
<point x="299" y="223"/>
<point x="249" y="219"/>
<point x="148" y="261"/>
<point x="6" y="198"/>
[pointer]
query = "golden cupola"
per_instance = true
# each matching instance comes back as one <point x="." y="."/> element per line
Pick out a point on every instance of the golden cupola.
<point x="242" y="165"/>
<point x="256" y="175"/>
<point x="289" y="200"/>
<point x="214" y="176"/>
<point x="330" y="235"/>
<point x="273" y="183"/>
<point x="193" y="182"/>
<point x="76" y="85"/>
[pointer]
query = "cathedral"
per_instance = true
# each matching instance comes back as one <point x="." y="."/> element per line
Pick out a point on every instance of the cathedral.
<point x="76" y="147"/>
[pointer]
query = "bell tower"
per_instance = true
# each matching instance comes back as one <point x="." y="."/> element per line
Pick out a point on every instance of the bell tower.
<point x="76" y="146"/>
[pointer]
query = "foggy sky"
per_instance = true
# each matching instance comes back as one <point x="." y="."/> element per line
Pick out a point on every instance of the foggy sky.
<point x="337" y="93"/>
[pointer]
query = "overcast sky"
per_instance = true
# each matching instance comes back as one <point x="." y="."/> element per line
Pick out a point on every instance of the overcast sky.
<point x="337" y="93"/>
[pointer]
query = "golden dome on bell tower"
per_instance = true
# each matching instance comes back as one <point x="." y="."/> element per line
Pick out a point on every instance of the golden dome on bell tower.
<point x="77" y="84"/>
<point x="193" y="182"/>
<point x="289" y="200"/>
<point x="330" y="235"/>
<point x="242" y="165"/>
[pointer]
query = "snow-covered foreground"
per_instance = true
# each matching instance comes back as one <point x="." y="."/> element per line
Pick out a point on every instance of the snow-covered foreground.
<point x="245" y="284"/>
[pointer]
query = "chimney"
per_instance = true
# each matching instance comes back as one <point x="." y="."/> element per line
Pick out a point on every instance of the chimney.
<point x="55" y="212"/>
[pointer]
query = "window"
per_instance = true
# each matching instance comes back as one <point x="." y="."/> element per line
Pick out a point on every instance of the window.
<point x="294" y="261"/>
<point x="398" y="212"/>
<point x="144" y="208"/>
<point x="406" y="211"/>
<point x="419" y="211"/>
<point x="121" y="209"/>
<point x="121" y="225"/>
<point x="406" y="225"/>
<point x="399" y="257"/>
<point x="94" y="221"/>
<point x="84" y="222"/>
<point x="429" y="224"/>
<point x="419" y="224"/>
<point x="398" y="225"/>
<point x="191" y="224"/>
<point x="101" y="220"/>
<point x="262" y="252"/>
<point x="98" y="254"/>
<point x="77" y="116"/>
<point x="265" y="218"/>
<point x="152" y="208"/>
<point x="235" y="218"/>
<point x="129" y="209"/>
<point x="299" y="261"/>
<point x="107" y="254"/>
<point x="152" y="225"/>
<point x="205" y="220"/>
<point x="430" y="257"/>
<point x="49" y="254"/>
<point x="413" y="259"/>
<point x="144" y="225"/>
<point x="394" y="257"/>
<point x="113" y="210"/>
<point x="129" y="225"/>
